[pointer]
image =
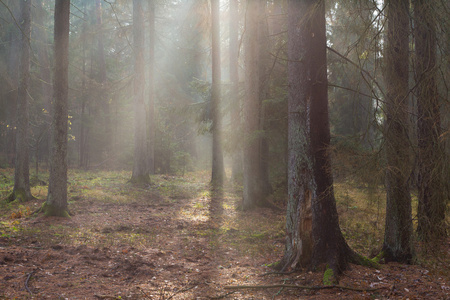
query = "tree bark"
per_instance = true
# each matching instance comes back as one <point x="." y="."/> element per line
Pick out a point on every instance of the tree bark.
<point x="101" y="80"/>
<point x="432" y="201"/>
<point x="256" y="181"/>
<point x="140" y="166"/>
<point x="218" y="171"/>
<point x="398" y="244"/>
<point x="151" y="87"/>
<point x="56" y="204"/>
<point x="236" y="171"/>
<point x="313" y="233"/>
<point x="21" y="189"/>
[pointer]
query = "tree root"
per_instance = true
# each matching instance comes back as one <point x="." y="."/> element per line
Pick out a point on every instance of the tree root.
<point x="293" y="286"/>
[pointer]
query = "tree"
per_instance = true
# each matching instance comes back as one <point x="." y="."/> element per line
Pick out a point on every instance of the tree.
<point x="313" y="233"/>
<point x="432" y="203"/>
<point x="21" y="189"/>
<point x="256" y="183"/>
<point x="56" y="204"/>
<point x="397" y="244"/>
<point x="236" y="171"/>
<point x="140" y="164"/>
<point x="218" y="171"/>
<point x="151" y="86"/>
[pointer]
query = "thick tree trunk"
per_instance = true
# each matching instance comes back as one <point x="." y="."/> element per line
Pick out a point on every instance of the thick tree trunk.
<point x="140" y="165"/>
<point x="218" y="171"/>
<point x="22" y="190"/>
<point x="236" y="171"/>
<point x="312" y="225"/>
<point x="56" y="204"/>
<point x="398" y="244"/>
<point x="432" y="201"/>
<point x="151" y="87"/>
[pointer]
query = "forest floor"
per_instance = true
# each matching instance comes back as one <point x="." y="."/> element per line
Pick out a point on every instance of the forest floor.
<point x="175" y="240"/>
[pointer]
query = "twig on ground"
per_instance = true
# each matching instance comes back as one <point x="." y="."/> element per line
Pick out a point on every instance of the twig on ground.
<point x="293" y="286"/>
<point x="26" y="282"/>
<point x="223" y="296"/>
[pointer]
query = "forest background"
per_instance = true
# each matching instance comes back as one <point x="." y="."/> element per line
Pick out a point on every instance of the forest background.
<point x="170" y="68"/>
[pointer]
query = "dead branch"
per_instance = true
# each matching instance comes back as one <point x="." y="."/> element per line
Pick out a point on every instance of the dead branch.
<point x="293" y="286"/>
<point x="26" y="282"/>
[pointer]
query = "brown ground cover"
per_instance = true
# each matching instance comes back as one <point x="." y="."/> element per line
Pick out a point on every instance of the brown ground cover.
<point x="172" y="241"/>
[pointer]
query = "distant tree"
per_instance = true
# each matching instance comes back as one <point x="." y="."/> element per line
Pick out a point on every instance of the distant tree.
<point x="218" y="171"/>
<point x="56" y="204"/>
<point x="313" y="233"/>
<point x="140" y="165"/>
<point x="256" y="183"/>
<point x="151" y="86"/>
<point x="432" y="201"/>
<point x="101" y="79"/>
<point x="21" y="189"/>
<point x="236" y="171"/>
<point x="398" y="242"/>
<point x="83" y="149"/>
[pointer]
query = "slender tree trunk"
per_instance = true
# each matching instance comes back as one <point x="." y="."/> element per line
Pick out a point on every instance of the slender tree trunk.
<point x="312" y="225"/>
<point x="140" y="166"/>
<point x="264" y="79"/>
<point x="13" y="73"/>
<point x="432" y="201"/>
<point x="398" y="243"/>
<point x="151" y="86"/>
<point x="44" y="70"/>
<point x="218" y="171"/>
<point x="101" y="79"/>
<point x="22" y="190"/>
<point x="256" y="183"/>
<point x="56" y="204"/>
<point x="84" y="131"/>
<point x="236" y="171"/>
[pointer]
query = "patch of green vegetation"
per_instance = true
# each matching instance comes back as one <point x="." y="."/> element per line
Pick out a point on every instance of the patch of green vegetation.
<point x="328" y="277"/>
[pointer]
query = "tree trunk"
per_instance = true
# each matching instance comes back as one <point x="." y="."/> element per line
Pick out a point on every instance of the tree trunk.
<point x="151" y="87"/>
<point x="22" y="190"/>
<point x="398" y="244"/>
<point x="432" y="201"/>
<point x="84" y="130"/>
<point x="140" y="166"/>
<point x="236" y="171"/>
<point x="44" y="70"/>
<point x="56" y="204"/>
<point x="218" y="171"/>
<point x="256" y="185"/>
<point x="312" y="225"/>
<point x="264" y="79"/>
<point x="101" y="80"/>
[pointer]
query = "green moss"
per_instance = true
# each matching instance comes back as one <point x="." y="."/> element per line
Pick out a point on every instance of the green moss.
<point x="20" y="195"/>
<point x="372" y="263"/>
<point x="328" y="277"/>
<point x="54" y="211"/>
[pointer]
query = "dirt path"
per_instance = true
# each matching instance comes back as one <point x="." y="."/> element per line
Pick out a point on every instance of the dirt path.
<point x="168" y="241"/>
